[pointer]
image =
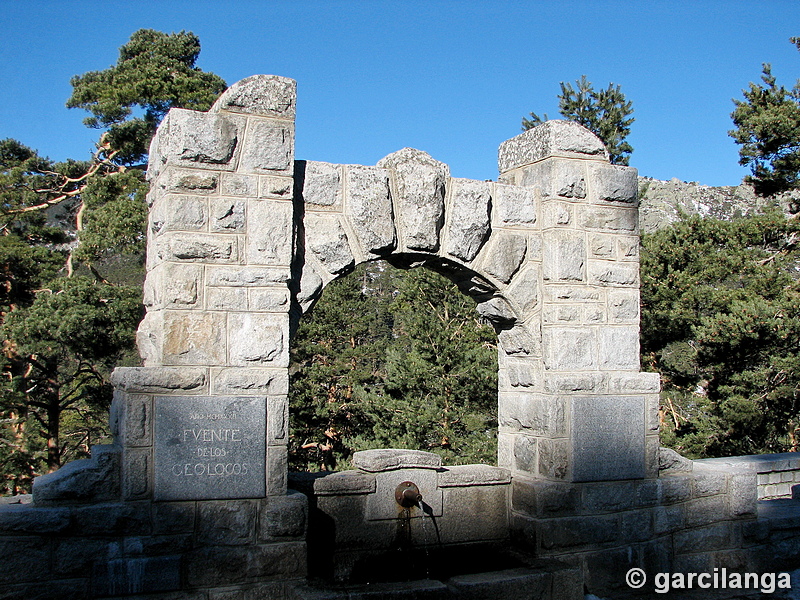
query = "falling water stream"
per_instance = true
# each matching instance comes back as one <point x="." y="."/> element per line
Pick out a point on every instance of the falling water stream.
<point x="421" y="506"/>
<point x="418" y="552"/>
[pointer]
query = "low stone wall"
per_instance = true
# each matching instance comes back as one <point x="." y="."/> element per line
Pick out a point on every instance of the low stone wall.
<point x="773" y="541"/>
<point x="205" y="550"/>
<point x="776" y="473"/>
<point x="691" y="518"/>
<point x="697" y="516"/>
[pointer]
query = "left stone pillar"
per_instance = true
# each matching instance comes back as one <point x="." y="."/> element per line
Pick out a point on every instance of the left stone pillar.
<point x="207" y="416"/>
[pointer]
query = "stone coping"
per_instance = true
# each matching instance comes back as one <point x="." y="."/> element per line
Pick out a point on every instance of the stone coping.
<point x="466" y="475"/>
<point x="159" y="380"/>
<point x="552" y="138"/>
<point x="378" y="461"/>
<point x="761" y="463"/>
<point x="333" y="484"/>
<point x="360" y="482"/>
<point x="16" y="500"/>
<point x="780" y="511"/>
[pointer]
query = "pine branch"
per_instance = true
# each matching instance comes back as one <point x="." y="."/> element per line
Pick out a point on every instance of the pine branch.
<point x="98" y="161"/>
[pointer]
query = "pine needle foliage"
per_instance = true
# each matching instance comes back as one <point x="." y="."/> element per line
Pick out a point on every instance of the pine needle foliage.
<point x="391" y="358"/>
<point x="721" y="323"/>
<point x="155" y="72"/>
<point x="606" y="113"/>
<point x="768" y="130"/>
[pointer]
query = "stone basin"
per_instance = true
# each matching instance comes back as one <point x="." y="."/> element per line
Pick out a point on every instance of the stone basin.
<point x="470" y="571"/>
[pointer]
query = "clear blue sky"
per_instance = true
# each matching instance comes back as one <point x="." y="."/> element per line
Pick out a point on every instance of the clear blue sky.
<point x="451" y="78"/>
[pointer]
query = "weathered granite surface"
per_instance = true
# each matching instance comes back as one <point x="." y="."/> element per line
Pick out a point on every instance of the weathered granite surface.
<point x="663" y="202"/>
<point x="209" y="447"/>
<point x="377" y="461"/>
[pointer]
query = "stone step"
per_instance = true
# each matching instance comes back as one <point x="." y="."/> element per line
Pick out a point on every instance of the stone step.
<point x="548" y="580"/>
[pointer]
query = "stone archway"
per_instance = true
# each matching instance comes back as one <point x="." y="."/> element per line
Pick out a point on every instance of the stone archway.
<point x="242" y="236"/>
<point x="193" y="496"/>
<point x="410" y="212"/>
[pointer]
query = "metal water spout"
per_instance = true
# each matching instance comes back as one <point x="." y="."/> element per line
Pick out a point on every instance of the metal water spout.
<point x="407" y="495"/>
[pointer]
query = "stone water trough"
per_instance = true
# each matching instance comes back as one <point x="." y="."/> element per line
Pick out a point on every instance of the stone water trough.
<point x="451" y="540"/>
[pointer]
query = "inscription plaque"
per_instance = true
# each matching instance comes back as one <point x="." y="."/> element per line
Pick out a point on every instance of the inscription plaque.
<point x="209" y="448"/>
<point x="608" y="438"/>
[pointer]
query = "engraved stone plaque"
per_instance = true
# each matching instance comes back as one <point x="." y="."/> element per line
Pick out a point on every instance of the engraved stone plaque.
<point x="209" y="448"/>
<point x="608" y="438"/>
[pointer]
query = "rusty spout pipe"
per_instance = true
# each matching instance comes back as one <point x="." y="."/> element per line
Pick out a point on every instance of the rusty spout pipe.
<point x="407" y="495"/>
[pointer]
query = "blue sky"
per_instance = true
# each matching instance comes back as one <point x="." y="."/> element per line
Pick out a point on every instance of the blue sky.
<point x="451" y="78"/>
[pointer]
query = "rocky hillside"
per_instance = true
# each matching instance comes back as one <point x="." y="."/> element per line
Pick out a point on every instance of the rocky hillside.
<point x="662" y="202"/>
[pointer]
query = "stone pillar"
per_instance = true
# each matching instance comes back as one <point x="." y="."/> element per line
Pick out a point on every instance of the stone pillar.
<point x="583" y="412"/>
<point x="207" y="416"/>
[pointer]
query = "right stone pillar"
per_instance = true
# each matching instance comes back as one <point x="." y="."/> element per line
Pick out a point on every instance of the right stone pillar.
<point x="583" y="411"/>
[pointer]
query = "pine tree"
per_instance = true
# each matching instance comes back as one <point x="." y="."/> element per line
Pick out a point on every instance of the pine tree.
<point x="768" y="130"/>
<point x="441" y="380"/>
<point x="338" y="363"/>
<point x="391" y="358"/>
<point x="78" y="218"/>
<point x="721" y="323"/>
<point x="59" y="354"/>
<point x="155" y="72"/>
<point x="606" y="113"/>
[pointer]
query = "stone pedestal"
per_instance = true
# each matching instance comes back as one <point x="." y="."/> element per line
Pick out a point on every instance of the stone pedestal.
<point x="216" y="333"/>
<point x="356" y="521"/>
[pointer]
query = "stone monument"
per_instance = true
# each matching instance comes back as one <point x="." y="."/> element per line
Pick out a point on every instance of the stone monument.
<point x="243" y="239"/>
<point x="192" y="497"/>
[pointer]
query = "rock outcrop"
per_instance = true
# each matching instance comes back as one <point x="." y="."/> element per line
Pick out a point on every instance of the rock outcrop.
<point x="663" y="202"/>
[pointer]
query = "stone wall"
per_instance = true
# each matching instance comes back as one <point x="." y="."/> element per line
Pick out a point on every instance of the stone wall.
<point x="692" y="517"/>
<point x="776" y="473"/>
<point x="209" y="550"/>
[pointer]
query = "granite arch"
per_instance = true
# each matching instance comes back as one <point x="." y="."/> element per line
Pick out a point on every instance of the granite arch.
<point x="242" y="238"/>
